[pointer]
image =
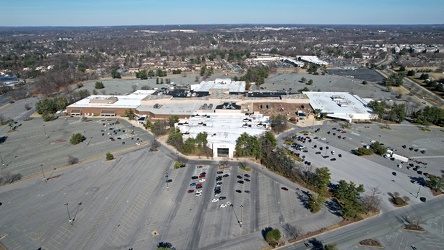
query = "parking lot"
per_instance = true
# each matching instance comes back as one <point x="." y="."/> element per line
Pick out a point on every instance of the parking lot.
<point x="35" y="145"/>
<point x="332" y="146"/>
<point x="129" y="203"/>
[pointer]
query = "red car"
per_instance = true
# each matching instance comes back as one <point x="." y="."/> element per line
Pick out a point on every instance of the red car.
<point x="198" y="185"/>
<point x="190" y="191"/>
<point x="343" y="131"/>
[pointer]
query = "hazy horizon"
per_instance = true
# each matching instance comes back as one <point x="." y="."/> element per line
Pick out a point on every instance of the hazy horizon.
<point x="84" y="13"/>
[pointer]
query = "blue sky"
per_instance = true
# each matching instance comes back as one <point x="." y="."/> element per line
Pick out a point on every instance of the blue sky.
<point x="155" y="12"/>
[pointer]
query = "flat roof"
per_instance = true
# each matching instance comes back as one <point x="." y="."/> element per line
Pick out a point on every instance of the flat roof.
<point x="223" y="128"/>
<point x="341" y="104"/>
<point x="232" y="86"/>
<point x="173" y="108"/>
<point x="123" y="101"/>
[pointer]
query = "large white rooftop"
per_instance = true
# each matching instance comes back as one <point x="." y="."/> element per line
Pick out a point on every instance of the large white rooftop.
<point x="232" y="86"/>
<point x="313" y="59"/>
<point x="342" y="105"/>
<point x="123" y="101"/>
<point x="222" y="127"/>
<point x="173" y="108"/>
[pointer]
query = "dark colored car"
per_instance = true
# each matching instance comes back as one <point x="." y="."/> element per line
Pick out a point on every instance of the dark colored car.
<point x="239" y="177"/>
<point x="169" y="180"/>
<point x="394" y="173"/>
<point x="222" y="198"/>
<point x="218" y="178"/>
<point x="238" y="191"/>
<point x="248" y="180"/>
<point x="194" y="177"/>
<point x="284" y="188"/>
<point x="226" y="175"/>
<point x="247" y="175"/>
<point x="220" y="172"/>
<point x="247" y="191"/>
<point x="241" y="182"/>
<point x="190" y="191"/>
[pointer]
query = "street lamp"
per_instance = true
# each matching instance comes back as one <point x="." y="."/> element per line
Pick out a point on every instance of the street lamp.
<point x="44" y="178"/>
<point x="69" y="216"/>
<point x="3" y="163"/>
<point x="166" y="180"/>
<point x="417" y="193"/>
<point x="44" y="129"/>
<point x="242" y="214"/>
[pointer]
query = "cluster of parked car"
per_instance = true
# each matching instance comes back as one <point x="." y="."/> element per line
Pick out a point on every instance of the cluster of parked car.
<point x="199" y="179"/>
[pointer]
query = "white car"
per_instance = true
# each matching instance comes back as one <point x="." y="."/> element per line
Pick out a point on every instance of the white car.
<point x="201" y="180"/>
<point x="215" y="200"/>
<point x="198" y="194"/>
<point x="223" y="205"/>
<point x="198" y="191"/>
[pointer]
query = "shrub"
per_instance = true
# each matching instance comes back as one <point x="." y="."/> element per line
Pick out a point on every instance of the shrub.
<point x="77" y="138"/>
<point x="109" y="156"/>
<point x="99" y="85"/>
<point x="272" y="237"/>
<point x="363" y="151"/>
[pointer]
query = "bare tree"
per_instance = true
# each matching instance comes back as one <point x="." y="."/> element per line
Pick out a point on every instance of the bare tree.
<point x="372" y="200"/>
<point x="72" y="160"/>
<point x="155" y="143"/>
<point x="27" y="106"/>
<point x="293" y="231"/>
<point x="134" y="87"/>
<point x="243" y="164"/>
<point x="181" y="159"/>
<point x="224" y="162"/>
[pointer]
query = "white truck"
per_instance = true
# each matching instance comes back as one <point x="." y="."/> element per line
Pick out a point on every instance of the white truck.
<point x="399" y="158"/>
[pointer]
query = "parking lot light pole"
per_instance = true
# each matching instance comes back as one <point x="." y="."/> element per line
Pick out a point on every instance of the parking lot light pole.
<point x="417" y="193"/>
<point x="69" y="216"/>
<point x="43" y="172"/>
<point x="44" y="129"/>
<point x="3" y="163"/>
<point x="242" y="214"/>
<point x="166" y="180"/>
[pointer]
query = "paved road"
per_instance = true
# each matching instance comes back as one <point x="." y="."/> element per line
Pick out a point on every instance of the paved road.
<point x="386" y="223"/>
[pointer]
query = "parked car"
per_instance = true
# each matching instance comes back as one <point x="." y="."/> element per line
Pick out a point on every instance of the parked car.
<point x="284" y="188"/>
<point x="191" y="191"/>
